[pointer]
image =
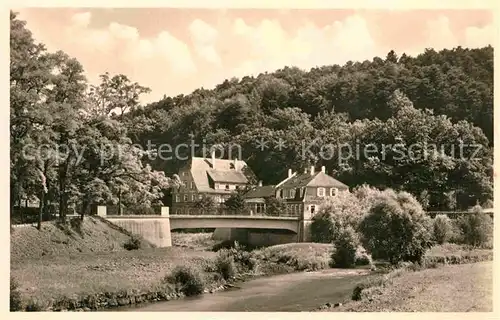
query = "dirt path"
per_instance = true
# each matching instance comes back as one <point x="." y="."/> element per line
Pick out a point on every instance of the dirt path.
<point x="456" y="288"/>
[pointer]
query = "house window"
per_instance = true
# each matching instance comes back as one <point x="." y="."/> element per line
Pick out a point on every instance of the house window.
<point x="292" y="193"/>
<point x="192" y="184"/>
<point x="333" y="192"/>
<point x="200" y="196"/>
<point x="184" y="173"/>
<point x="321" y="192"/>
<point x="281" y="193"/>
<point x="185" y="198"/>
<point x="231" y="165"/>
<point x="193" y="197"/>
<point x="313" y="207"/>
<point x="176" y="198"/>
<point x="227" y="187"/>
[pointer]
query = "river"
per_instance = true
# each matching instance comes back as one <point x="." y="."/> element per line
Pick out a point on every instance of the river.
<point x="303" y="291"/>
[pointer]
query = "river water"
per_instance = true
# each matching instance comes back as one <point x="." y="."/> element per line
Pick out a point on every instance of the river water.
<point x="289" y="292"/>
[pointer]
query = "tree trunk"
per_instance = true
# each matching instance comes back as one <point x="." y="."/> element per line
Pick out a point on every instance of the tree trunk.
<point x="40" y="213"/>
<point x="63" y="201"/>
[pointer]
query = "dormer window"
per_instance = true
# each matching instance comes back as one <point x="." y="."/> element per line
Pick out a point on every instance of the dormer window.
<point x="333" y="192"/>
<point x="227" y="187"/>
<point x="321" y="192"/>
<point x="231" y="165"/>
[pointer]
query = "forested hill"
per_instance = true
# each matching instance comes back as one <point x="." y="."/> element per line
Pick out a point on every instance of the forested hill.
<point x="455" y="82"/>
<point x="379" y="101"/>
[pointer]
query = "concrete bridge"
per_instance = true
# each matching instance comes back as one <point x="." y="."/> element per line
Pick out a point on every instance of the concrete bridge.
<point x="157" y="228"/>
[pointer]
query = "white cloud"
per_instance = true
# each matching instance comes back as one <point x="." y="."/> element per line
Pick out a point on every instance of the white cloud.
<point x="204" y="38"/>
<point x="123" y="42"/>
<point x="81" y="19"/>
<point x="439" y="34"/>
<point x="480" y="37"/>
<point x="271" y="47"/>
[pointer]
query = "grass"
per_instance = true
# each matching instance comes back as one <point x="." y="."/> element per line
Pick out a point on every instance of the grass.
<point x="92" y="235"/>
<point x="451" y="288"/>
<point x="429" y="287"/>
<point x="50" y="277"/>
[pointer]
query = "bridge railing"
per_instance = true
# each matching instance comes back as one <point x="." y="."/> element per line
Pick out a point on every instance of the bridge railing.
<point x="227" y="212"/>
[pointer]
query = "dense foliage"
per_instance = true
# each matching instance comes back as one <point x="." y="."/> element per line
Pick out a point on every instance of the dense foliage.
<point x="346" y="245"/>
<point x="476" y="228"/>
<point x="442" y="228"/>
<point x="396" y="228"/>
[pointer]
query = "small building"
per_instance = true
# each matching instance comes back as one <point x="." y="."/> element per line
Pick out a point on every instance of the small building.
<point x="210" y="177"/>
<point x="305" y="192"/>
<point x="256" y="198"/>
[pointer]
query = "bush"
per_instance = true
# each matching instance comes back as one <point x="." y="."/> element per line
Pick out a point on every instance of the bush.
<point x="476" y="228"/>
<point x="344" y="210"/>
<point x="133" y="243"/>
<point x="442" y="228"/>
<point x="189" y="279"/>
<point x="15" y="296"/>
<point x="396" y="228"/>
<point x="224" y="265"/>
<point x="346" y="244"/>
<point x="363" y="258"/>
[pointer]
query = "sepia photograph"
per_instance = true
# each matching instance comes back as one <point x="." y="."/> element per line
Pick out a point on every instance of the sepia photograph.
<point x="251" y="159"/>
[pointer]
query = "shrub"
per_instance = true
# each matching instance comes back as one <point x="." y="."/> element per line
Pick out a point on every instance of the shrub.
<point x="346" y="244"/>
<point x="476" y="228"/>
<point x="363" y="258"/>
<point x="442" y="228"/>
<point x="224" y="265"/>
<point x="344" y="210"/>
<point x="189" y="279"/>
<point x="15" y="296"/>
<point x="133" y="243"/>
<point x="322" y="227"/>
<point x="396" y="228"/>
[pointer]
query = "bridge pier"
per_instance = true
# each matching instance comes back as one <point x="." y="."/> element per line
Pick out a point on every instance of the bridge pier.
<point x="154" y="229"/>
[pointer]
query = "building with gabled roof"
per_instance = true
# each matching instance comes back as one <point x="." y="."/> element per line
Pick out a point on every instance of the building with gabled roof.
<point x="303" y="193"/>
<point x="216" y="178"/>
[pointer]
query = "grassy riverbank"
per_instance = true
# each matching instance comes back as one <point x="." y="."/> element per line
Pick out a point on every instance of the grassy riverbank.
<point x="108" y="279"/>
<point x="453" y="278"/>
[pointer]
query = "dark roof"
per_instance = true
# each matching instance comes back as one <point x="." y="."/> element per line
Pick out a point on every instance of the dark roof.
<point x="261" y="192"/>
<point x="227" y="176"/>
<point x="318" y="179"/>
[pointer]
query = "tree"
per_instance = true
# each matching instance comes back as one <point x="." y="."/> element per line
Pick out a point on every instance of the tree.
<point x="275" y="206"/>
<point x="396" y="228"/>
<point x="206" y="205"/>
<point x="235" y="203"/>
<point x="442" y="228"/>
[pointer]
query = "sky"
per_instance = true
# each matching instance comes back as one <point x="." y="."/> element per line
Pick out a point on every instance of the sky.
<point x="177" y="50"/>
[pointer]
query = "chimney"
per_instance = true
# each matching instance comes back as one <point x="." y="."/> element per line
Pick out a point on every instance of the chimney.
<point x="289" y="173"/>
<point x="213" y="158"/>
<point x="235" y="163"/>
<point x="323" y="169"/>
<point x="260" y="183"/>
<point x="312" y="170"/>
